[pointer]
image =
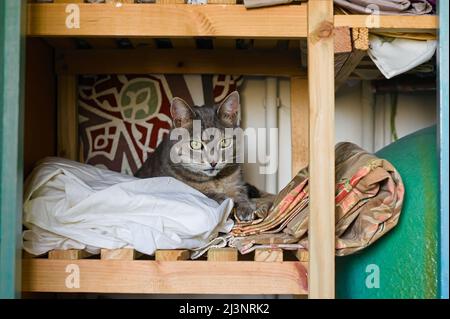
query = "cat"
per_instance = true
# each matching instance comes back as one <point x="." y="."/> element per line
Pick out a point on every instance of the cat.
<point x="215" y="175"/>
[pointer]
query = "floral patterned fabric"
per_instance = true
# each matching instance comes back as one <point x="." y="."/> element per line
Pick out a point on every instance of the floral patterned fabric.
<point x="123" y="118"/>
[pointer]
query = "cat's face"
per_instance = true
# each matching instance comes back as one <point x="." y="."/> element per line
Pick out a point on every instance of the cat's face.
<point x="207" y="145"/>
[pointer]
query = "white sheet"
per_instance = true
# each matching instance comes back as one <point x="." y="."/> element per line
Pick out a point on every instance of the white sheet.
<point x="69" y="205"/>
<point x="394" y="56"/>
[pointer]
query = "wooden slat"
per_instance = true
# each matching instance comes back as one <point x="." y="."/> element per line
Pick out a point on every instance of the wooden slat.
<point x="352" y="60"/>
<point x="102" y="43"/>
<point x="302" y="255"/>
<point x="169" y="1"/>
<point x="122" y="276"/>
<point x="299" y="123"/>
<point x="360" y="37"/>
<point x="265" y="44"/>
<point x="222" y="254"/>
<point x="118" y="254"/>
<point x="221" y="1"/>
<point x="67" y="116"/>
<point x="70" y="254"/>
<point x="342" y="40"/>
<point x="167" y="20"/>
<point x="183" y="43"/>
<point x="172" y="254"/>
<point x="269" y="255"/>
<point x="388" y="23"/>
<point x="321" y="148"/>
<point x="184" y="61"/>
<point x="224" y="43"/>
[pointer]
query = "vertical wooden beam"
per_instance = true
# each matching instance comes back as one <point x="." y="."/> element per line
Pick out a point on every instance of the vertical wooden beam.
<point x="67" y="117"/>
<point x="12" y="30"/>
<point x="321" y="150"/>
<point x="299" y="123"/>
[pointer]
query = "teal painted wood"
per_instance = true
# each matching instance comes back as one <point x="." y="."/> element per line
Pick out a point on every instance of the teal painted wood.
<point x="443" y="144"/>
<point x="12" y="18"/>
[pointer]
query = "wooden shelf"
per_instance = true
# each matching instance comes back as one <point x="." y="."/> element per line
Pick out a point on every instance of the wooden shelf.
<point x="165" y="20"/>
<point x="425" y="23"/>
<point x="118" y="271"/>
<point x="180" y="20"/>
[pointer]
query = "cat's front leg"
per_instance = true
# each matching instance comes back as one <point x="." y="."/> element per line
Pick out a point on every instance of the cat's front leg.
<point x="245" y="209"/>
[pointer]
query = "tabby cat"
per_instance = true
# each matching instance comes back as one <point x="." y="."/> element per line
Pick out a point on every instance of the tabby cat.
<point x="212" y="173"/>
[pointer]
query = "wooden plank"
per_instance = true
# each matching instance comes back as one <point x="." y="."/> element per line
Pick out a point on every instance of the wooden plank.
<point x="269" y="255"/>
<point x="70" y="254"/>
<point x="299" y="123"/>
<point x="221" y="1"/>
<point x="102" y="43"/>
<point x="321" y="149"/>
<point x="67" y="116"/>
<point x="265" y="44"/>
<point x="11" y="144"/>
<point x="180" y="61"/>
<point x="187" y="277"/>
<point x="169" y="1"/>
<point x="167" y="20"/>
<point x="222" y="254"/>
<point x="352" y="60"/>
<point x="342" y="40"/>
<point x="221" y="43"/>
<point x="183" y="43"/>
<point x="172" y="254"/>
<point x="40" y="104"/>
<point x="302" y="255"/>
<point x="118" y="254"/>
<point x="388" y="23"/>
<point x="360" y="37"/>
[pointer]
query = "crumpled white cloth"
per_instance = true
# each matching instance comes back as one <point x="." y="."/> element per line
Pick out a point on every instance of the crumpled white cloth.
<point x="394" y="56"/>
<point x="69" y="205"/>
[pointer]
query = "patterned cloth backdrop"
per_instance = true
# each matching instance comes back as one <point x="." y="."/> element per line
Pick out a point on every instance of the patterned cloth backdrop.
<point x="123" y="118"/>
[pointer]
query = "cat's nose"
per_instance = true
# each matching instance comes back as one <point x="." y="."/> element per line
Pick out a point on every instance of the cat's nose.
<point x="213" y="164"/>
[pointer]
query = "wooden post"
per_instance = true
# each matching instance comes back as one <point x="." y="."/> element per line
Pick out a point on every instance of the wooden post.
<point x="67" y="117"/>
<point x="321" y="150"/>
<point x="299" y="123"/>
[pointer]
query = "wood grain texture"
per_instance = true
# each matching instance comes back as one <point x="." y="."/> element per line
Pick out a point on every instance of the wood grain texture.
<point x="70" y="254"/>
<point x="172" y="254"/>
<point x="388" y="23"/>
<point x="187" y="277"/>
<point x="302" y="255"/>
<point x="321" y="149"/>
<point x="40" y="104"/>
<point x="299" y="123"/>
<point x="169" y="20"/>
<point x="342" y="40"/>
<point x="350" y="62"/>
<point x="67" y="116"/>
<point x="222" y="254"/>
<point x="269" y="255"/>
<point x="118" y="254"/>
<point x="180" y="61"/>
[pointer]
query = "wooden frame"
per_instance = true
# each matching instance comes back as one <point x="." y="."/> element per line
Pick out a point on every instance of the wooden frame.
<point x="312" y="116"/>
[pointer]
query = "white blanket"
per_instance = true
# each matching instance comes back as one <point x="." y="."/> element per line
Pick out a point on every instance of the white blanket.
<point x="68" y="205"/>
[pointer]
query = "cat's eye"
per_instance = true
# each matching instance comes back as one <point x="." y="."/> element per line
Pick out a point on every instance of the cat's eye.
<point x="226" y="142"/>
<point x="196" y="145"/>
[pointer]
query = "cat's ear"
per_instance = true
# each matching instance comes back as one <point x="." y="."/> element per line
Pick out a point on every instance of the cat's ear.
<point x="181" y="112"/>
<point x="229" y="111"/>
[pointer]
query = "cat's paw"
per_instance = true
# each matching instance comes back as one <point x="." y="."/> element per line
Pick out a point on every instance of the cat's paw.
<point x="245" y="213"/>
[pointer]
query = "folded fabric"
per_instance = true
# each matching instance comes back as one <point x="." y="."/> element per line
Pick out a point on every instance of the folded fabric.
<point x="394" y="56"/>
<point x="386" y="7"/>
<point x="369" y="197"/>
<point x="68" y="205"/>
